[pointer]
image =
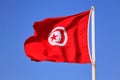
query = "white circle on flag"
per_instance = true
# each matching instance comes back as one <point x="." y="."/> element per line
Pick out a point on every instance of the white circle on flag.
<point x="55" y="36"/>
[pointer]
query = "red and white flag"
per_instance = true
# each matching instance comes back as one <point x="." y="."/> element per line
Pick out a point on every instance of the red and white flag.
<point x="62" y="39"/>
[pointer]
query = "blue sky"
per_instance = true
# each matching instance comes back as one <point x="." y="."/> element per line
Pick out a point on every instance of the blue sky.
<point x="16" y="20"/>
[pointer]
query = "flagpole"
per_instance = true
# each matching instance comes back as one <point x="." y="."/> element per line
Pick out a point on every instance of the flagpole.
<point x="93" y="43"/>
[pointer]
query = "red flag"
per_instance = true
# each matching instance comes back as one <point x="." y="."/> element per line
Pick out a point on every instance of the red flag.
<point x="62" y="39"/>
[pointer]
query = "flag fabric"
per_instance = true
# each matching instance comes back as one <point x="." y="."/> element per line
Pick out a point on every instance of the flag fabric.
<point x="60" y="39"/>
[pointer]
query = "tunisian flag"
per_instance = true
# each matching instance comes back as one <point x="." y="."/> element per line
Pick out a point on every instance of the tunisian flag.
<point x="61" y="39"/>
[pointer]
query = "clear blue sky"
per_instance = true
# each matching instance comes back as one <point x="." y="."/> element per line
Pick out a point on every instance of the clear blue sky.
<point x="16" y="20"/>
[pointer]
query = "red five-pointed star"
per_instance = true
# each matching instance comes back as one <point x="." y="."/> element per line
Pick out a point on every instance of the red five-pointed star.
<point x="53" y="37"/>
